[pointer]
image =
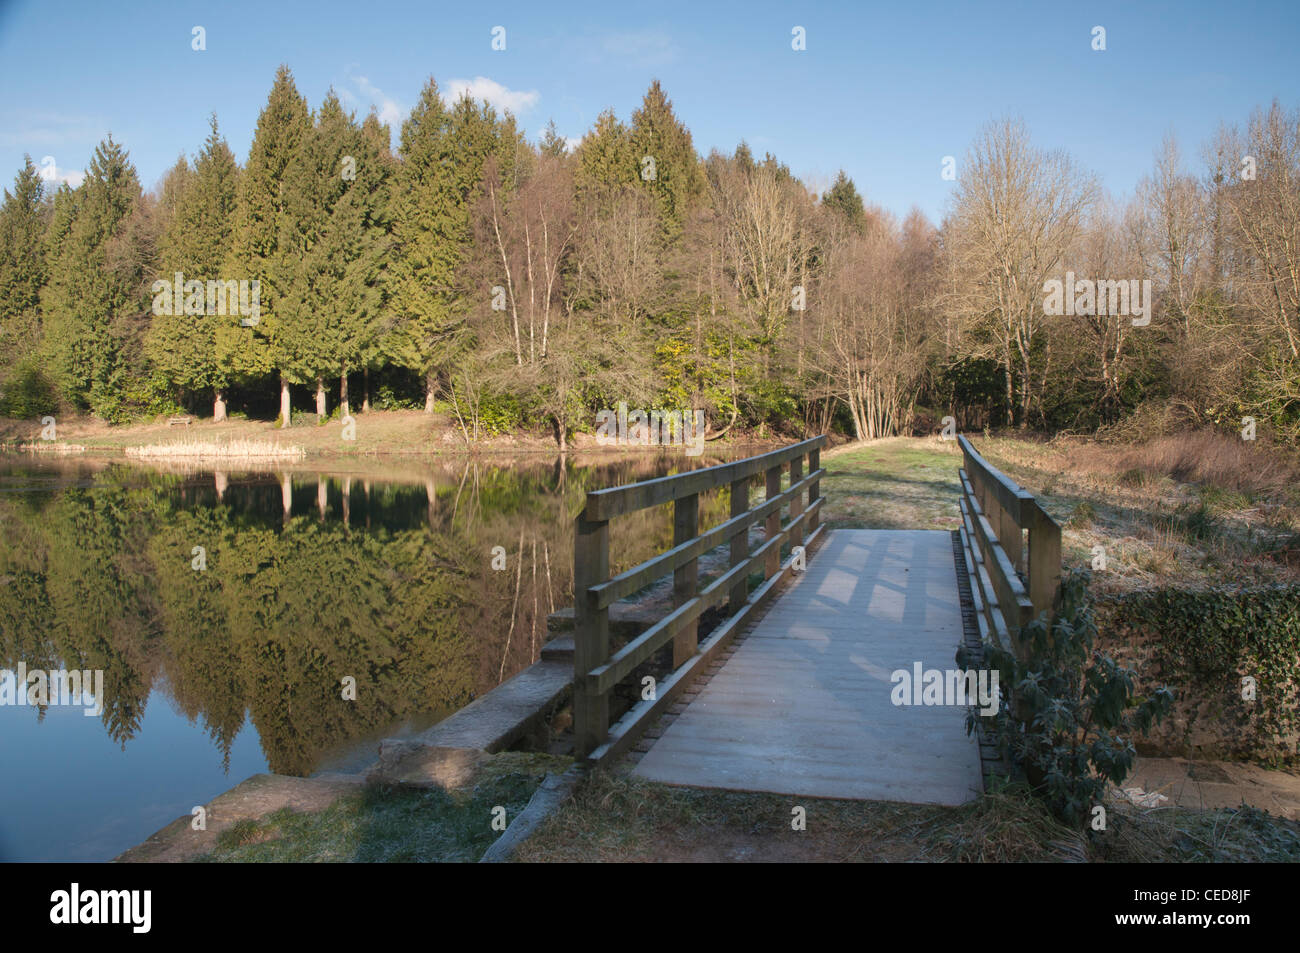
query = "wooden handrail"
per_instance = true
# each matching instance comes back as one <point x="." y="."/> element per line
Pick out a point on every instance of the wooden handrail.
<point x="595" y="671"/>
<point x="1012" y="582"/>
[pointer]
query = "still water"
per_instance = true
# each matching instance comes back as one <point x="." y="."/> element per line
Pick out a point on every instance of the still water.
<point x="227" y="610"/>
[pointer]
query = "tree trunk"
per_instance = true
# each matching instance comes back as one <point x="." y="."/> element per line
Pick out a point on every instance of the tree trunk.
<point x="320" y="398"/>
<point x="219" y="406"/>
<point x="365" y="396"/>
<point x="284" y="401"/>
<point x="430" y="386"/>
<point x="344" y="408"/>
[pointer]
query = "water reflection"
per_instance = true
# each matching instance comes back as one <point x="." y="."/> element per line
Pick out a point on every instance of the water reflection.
<point x="246" y="598"/>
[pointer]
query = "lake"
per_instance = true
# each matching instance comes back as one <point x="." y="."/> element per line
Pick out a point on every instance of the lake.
<point x="254" y="620"/>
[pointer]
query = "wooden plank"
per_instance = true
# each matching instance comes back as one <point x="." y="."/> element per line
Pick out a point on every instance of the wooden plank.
<point x="797" y="504"/>
<point x="606" y="504"/>
<point x="815" y="490"/>
<point x="642" y="574"/>
<point x="739" y="542"/>
<point x="590" y="631"/>
<point x="602" y="678"/>
<point x="772" y="528"/>
<point x="686" y="526"/>
<point x="632" y="725"/>
<point x="1044" y="567"/>
<point x="990" y="479"/>
<point x="794" y="713"/>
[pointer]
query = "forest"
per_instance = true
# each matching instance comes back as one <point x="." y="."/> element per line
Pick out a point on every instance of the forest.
<point x="526" y="286"/>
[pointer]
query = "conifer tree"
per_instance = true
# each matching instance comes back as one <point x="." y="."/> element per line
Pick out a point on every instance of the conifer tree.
<point x="843" y="198"/>
<point x="196" y="243"/>
<point x="86" y="292"/>
<point x="443" y="153"/>
<point x="24" y="218"/>
<point x="667" y="164"/>
<point x="263" y="224"/>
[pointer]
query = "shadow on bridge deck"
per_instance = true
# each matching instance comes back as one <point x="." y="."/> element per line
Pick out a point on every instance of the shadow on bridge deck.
<point x="803" y="706"/>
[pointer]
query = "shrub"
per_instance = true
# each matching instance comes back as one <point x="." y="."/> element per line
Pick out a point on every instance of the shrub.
<point x="28" y="393"/>
<point x="1072" y="715"/>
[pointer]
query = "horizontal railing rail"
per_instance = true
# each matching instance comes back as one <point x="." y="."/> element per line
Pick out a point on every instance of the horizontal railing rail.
<point x="1012" y="549"/>
<point x="596" y="671"/>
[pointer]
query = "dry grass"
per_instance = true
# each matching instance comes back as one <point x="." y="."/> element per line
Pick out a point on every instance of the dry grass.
<point x="1199" y="508"/>
<point x="1213" y="458"/>
<point x="619" y="818"/>
<point x="210" y="450"/>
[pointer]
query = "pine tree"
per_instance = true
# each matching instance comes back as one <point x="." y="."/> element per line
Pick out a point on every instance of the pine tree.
<point x="553" y="145"/>
<point x="443" y="153"/>
<point x="843" y="198"/>
<point x="24" y="218"/>
<point x="339" y="203"/>
<point x="87" y="292"/>
<point x="667" y="163"/>
<point x="262" y="225"/>
<point x="196" y="243"/>
<point x="606" y="164"/>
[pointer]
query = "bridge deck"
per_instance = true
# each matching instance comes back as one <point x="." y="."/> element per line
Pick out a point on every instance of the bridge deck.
<point x="803" y="706"/>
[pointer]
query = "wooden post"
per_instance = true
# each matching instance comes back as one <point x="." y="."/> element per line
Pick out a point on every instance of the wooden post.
<point x="1009" y="535"/>
<point x="796" y="505"/>
<point x="590" y="631"/>
<point x="739" y="544"/>
<point x="815" y="488"/>
<point x="1044" y="561"/>
<point x="772" y="527"/>
<point x="686" y="526"/>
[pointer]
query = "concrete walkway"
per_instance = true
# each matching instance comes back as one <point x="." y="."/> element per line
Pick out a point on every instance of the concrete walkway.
<point x="803" y="707"/>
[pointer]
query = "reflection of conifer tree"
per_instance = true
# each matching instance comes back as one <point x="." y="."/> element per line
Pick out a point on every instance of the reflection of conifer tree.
<point x="101" y="597"/>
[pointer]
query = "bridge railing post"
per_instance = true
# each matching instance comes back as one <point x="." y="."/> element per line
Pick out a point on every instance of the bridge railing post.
<point x="814" y="489"/>
<point x="686" y="526"/>
<point x="772" y="525"/>
<point x="796" y="504"/>
<point x="590" y="631"/>
<point x="739" y="544"/>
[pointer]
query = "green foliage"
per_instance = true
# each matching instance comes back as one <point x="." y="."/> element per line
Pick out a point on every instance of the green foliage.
<point x="96" y="278"/>
<point x="502" y="413"/>
<point x="28" y="393"/>
<point x="843" y="199"/>
<point x="1204" y="642"/>
<point x="1070" y="716"/>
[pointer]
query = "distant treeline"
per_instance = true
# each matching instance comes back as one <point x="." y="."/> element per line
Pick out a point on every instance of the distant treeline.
<point x="518" y="285"/>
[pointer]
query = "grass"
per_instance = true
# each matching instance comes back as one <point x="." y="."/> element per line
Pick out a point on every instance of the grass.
<point x="896" y="483"/>
<point x="392" y="825"/>
<point x="624" y="818"/>
<point x="1204" y="508"/>
<point x="212" y="450"/>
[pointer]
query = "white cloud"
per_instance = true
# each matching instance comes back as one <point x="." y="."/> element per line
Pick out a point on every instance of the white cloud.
<point x="573" y="142"/>
<point x="53" y="176"/>
<point x="492" y="92"/>
<point x="391" y="112"/>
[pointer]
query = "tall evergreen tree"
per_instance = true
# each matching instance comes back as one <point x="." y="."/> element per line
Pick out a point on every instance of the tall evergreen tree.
<point x="443" y="153"/>
<point x="196" y="243"/>
<point x="86" y="291"/>
<point x="843" y="198"/>
<point x="667" y="164"/>
<point x="263" y="225"/>
<point x="553" y="145"/>
<point x="606" y="164"/>
<point x="24" y="218"/>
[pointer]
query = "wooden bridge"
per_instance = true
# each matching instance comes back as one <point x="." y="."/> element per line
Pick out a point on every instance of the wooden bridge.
<point x="803" y="703"/>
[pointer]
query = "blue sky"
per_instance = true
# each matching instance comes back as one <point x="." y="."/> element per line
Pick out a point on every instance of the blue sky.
<point x="883" y="90"/>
